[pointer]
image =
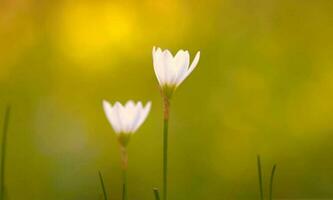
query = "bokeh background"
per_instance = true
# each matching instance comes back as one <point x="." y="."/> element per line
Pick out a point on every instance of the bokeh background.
<point x="263" y="86"/>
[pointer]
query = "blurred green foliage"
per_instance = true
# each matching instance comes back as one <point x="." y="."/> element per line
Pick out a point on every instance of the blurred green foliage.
<point x="263" y="86"/>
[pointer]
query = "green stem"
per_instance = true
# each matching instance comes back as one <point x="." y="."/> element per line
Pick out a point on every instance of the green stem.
<point x="260" y="178"/>
<point x="103" y="185"/>
<point x="271" y="183"/>
<point x="3" y="153"/>
<point x="124" y="158"/>
<point x="165" y="147"/>
<point x="165" y="159"/>
<point x="156" y="194"/>
<point x="125" y="185"/>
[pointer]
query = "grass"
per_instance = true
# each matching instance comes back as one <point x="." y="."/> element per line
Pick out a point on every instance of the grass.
<point x="261" y="191"/>
<point x="271" y="180"/>
<point x="3" y="152"/>
<point x="105" y="195"/>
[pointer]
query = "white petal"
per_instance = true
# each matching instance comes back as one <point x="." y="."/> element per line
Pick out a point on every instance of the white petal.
<point x="117" y="113"/>
<point x="127" y="115"/>
<point x="112" y="118"/>
<point x="128" y="118"/>
<point x="158" y="65"/>
<point x="143" y="115"/>
<point x="173" y="70"/>
<point x="179" y="56"/>
<point x="136" y="117"/>
<point x="192" y="67"/>
<point x="167" y="66"/>
<point x="129" y="105"/>
<point x="182" y="61"/>
<point x="107" y="110"/>
<point x="194" y="62"/>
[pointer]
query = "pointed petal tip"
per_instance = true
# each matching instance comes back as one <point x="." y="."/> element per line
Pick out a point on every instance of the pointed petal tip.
<point x="196" y="58"/>
<point x="147" y="107"/>
<point x="156" y="50"/>
<point x="117" y="104"/>
<point x="197" y="55"/>
<point x="181" y="50"/>
<point x="129" y="102"/>
<point x="167" y="51"/>
<point x="148" y="104"/>
<point x="106" y="103"/>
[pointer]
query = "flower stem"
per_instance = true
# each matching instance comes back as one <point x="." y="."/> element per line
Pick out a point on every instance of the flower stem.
<point x="165" y="147"/>
<point x="271" y="183"/>
<point x="124" y="160"/>
<point x="156" y="194"/>
<point x="260" y="178"/>
<point x="103" y="185"/>
<point x="165" y="159"/>
<point x="125" y="185"/>
<point x="3" y="153"/>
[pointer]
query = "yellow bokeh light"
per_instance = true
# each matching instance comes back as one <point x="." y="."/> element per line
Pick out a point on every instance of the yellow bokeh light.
<point x="88" y="31"/>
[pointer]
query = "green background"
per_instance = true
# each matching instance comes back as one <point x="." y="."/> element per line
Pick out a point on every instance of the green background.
<point x="263" y="86"/>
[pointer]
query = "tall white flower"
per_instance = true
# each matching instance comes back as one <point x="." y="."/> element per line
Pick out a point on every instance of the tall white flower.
<point x="125" y="120"/>
<point x="171" y="70"/>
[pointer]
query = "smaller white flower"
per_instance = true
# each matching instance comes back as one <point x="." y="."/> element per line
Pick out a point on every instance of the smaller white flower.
<point x="170" y="70"/>
<point x="126" y="120"/>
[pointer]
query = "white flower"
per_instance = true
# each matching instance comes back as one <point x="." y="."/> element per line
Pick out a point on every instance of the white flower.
<point x="126" y="119"/>
<point x="170" y="70"/>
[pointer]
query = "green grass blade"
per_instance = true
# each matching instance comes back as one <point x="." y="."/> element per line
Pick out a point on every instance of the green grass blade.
<point x="260" y="178"/>
<point x="156" y="194"/>
<point x="103" y="185"/>
<point x="3" y="152"/>
<point x="271" y="182"/>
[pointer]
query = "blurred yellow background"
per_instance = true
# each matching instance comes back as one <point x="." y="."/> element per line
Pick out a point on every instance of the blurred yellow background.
<point x="263" y="86"/>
